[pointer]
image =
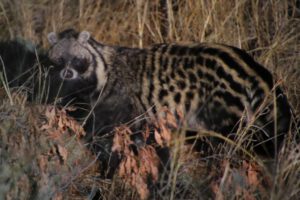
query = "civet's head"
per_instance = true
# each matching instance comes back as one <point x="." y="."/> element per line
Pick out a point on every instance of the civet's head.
<point x="70" y="50"/>
<point x="80" y="62"/>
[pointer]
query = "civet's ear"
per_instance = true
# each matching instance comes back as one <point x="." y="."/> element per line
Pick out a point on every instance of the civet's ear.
<point x="84" y="36"/>
<point x="52" y="38"/>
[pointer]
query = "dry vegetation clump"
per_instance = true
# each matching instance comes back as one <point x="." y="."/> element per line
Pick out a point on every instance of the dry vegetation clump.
<point x="188" y="174"/>
<point x="136" y="168"/>
<point x="40" y="148"/>
<point x="41" y="154"/>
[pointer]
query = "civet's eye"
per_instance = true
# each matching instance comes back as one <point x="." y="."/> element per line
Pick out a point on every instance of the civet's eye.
<point x="79" y="65"/>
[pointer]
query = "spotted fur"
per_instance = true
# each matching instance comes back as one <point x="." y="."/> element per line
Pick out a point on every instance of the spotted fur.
<point x="214" y="85"/>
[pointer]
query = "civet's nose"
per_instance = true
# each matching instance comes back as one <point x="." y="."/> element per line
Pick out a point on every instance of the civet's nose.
<point x="68" y="73"/>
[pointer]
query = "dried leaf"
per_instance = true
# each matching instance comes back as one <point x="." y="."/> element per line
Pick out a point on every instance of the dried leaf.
<point x="62" y="152"/>
<point x="142" y="188"/>
<point x="50" y="112"/>
<point x="122" y="171"/>
<point x="61" y="124"/>
<point x="146" y="133"/>
<point x="54" y="133"/>
<point x="252" y="174"/>
<point x="58" y="196"/>
<point x="128" y="165"/>
<point x="217" y="191"/>
<point x="171" y="120"/>
<point x="42" y="161"/>
<point x="252" y="178"/>
<point x="134" y="166"/>
<point x="154" y="164"/>
<point x="158" y="138"/>
<point x="117" y="143"/>
<point x="165" y="134"/>
<point x="179" y="113"/>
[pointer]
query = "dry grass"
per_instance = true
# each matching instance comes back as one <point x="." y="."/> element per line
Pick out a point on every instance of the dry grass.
<point x="269" y="30"/>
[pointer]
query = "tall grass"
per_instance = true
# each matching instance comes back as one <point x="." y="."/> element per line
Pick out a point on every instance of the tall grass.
<point x="268" y="30"/>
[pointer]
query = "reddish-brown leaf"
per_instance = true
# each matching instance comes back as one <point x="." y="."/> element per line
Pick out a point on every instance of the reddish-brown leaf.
<point x="158" y="138"/>
<point x="62" y="152"/>
<point x="142" y="187"/>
